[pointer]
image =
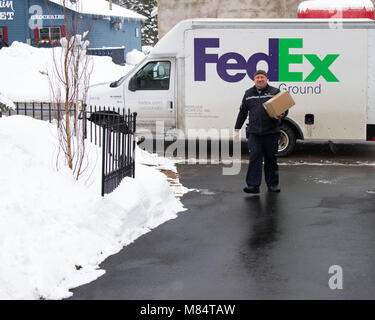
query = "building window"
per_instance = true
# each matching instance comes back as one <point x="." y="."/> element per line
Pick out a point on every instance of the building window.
<point x="49" y="35"/>
<point x="116" y="25"/>
<point x="153" y="76"/>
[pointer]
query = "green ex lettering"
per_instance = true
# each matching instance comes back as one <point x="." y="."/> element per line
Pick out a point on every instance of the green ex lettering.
<point x="321" y="67"/>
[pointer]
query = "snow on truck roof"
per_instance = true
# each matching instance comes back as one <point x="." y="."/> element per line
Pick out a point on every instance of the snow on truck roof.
<point x="100" y="8"/>
<point x="335" y="4"/>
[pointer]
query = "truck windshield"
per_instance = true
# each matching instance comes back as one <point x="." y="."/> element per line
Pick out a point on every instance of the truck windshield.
<point x="122" y="79"/>
<point x="118" y="82"/>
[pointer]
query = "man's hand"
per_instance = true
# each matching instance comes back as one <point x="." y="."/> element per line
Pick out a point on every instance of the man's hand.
<point x="236" y="135"/>
<point x="280" y="116"/>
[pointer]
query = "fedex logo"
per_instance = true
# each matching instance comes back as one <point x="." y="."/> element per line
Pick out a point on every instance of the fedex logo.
<point x="278" y="60"/>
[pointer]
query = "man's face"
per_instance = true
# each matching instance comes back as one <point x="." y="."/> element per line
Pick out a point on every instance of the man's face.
<point x="260" y="81"/>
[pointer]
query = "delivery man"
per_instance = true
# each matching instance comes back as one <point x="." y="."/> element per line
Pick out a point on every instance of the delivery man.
<point x="263" y="133"/>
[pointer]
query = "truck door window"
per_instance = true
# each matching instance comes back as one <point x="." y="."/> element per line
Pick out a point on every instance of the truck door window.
<point x="154" y="76"/>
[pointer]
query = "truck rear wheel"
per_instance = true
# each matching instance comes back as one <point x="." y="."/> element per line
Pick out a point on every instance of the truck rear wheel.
<point x="287" y="141"/>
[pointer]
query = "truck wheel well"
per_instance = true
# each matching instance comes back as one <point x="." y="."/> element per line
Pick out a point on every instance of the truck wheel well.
<point x="294" y="126"/>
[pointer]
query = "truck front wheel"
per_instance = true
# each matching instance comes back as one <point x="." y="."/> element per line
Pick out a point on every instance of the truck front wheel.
<point x="287" y="140"/>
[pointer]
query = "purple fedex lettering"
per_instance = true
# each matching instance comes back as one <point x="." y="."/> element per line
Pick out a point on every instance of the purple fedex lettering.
<point x="201" y="58"/>
<point x="223" y="65"/>
<point x="272" y="60"/>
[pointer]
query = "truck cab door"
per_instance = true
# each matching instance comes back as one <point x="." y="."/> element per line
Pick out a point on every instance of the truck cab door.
<point x="151" y="93"/>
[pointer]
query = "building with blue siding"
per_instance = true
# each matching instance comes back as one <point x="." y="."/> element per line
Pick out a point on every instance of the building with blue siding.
<point x="112" y="30"/>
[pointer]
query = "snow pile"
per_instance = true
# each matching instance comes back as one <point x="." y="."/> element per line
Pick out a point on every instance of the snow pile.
<point x="6" y="102"/>
<point x="335" y="4"/>
<point x="26" y="68"/>
<point x="34" y="64"/>
<point x="54" y="230"/>
<point x="165" y="165"/>
<point x="134" y="57"/>
<point x="78" y="42"/>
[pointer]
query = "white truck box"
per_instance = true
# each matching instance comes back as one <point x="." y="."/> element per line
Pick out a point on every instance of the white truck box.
<point x="196" y="75"/>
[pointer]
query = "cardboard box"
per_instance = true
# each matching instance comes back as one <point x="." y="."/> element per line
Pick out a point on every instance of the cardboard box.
<point x="279" y="104"/>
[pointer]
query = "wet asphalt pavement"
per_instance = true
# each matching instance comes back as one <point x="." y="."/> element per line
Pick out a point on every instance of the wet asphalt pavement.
<point x="229" y="245"/>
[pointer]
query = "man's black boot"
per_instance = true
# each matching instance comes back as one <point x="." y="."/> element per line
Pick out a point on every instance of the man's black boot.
<point x="251" y="189"/>
<point x="274" y="189"/>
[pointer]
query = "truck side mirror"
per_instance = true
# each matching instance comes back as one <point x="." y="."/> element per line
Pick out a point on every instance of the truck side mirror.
<point x="132" y="86"/>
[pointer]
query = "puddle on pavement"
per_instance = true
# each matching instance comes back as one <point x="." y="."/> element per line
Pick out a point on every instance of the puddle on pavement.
<point x="320" y="180"/>
<point x="206" y="192"/>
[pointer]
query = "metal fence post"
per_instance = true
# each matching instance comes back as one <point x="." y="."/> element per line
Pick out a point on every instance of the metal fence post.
<point x="134" y="142"/>
<point x="84" y="121"/>
<point x="103" y="158"/>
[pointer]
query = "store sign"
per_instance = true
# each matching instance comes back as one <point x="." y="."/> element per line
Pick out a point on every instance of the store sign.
<point x="37" y="16"/>
<point x="47" y="16"/>
<point x="9" y="13"/>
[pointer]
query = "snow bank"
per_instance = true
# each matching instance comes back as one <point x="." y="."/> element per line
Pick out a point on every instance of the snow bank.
<point x="7" y="102"/>
<point x="27" y="68"/>
<point x="55" y="231"/>
<point x="134" y="57"/>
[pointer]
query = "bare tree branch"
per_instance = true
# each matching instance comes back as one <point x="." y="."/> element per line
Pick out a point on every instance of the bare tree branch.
<point x="69" y="83"/>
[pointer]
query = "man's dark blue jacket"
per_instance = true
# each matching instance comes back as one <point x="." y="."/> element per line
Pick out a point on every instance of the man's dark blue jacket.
<point x="260" y="122"/>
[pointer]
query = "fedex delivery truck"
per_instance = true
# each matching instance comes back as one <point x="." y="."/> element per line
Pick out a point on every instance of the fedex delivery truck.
<point x="196" y="75"/>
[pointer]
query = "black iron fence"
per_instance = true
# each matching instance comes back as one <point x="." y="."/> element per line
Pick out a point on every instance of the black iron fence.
<point x="39" y="110"/>
<point x="118" y="149"/>
<point x="95" y="117"/>
<point x="113" y="130"/>
<point x="110" y="128"/>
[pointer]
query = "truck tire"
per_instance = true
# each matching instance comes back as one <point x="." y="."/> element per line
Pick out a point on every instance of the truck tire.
<point x="287" y="141"/>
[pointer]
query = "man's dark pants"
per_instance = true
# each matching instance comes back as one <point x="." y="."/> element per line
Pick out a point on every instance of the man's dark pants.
<point x="263" y="146"/>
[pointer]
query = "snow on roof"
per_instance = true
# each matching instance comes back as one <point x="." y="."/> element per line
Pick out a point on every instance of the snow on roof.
<point x="99" y="7"/>
<point x="335" y="4"/>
